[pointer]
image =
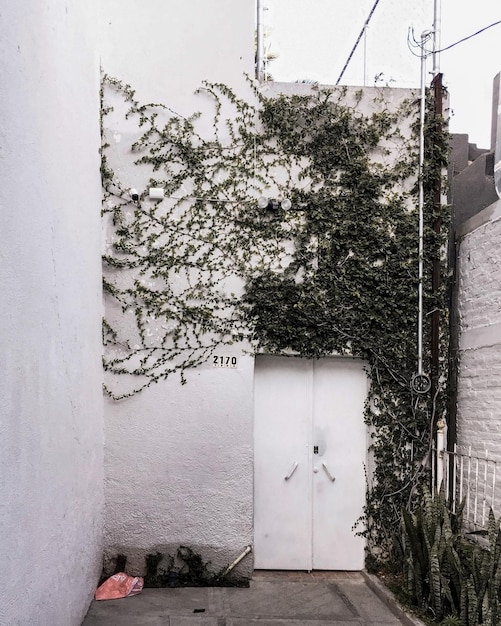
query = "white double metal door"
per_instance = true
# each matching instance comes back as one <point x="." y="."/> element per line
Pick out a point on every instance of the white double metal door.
<point x="310" y="449"/>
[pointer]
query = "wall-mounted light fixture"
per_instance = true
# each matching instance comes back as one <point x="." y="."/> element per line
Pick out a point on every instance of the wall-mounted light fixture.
<point x="272" y="204"/>
<point x="156" y="193"/>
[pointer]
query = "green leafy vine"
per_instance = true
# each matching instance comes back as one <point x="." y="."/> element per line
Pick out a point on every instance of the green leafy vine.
<point x="334" y="274"/>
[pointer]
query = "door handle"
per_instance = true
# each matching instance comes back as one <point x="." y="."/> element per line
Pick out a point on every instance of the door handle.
<point x="326" y="470"/>
<point x="292" y="470"/>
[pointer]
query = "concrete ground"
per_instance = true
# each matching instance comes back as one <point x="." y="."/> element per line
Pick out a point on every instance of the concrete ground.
<point x="273" y="599"/>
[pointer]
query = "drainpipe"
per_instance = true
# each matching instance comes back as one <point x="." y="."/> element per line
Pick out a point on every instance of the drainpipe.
<point x="422" y="110"/>
<point x="435" y="279"/>
<point x="259" y="41"/>
<point x="237" y="560"/>
<point x="421" y="382"/>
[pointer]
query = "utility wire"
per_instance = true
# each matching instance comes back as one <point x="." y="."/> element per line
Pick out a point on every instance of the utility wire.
<point x="415" y="44"/>
<point x="469" y="36"/>
<point x="357" y="41"/>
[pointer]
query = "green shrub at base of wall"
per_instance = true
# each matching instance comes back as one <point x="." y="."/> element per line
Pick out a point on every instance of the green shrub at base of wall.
<point x="446" y="576"/>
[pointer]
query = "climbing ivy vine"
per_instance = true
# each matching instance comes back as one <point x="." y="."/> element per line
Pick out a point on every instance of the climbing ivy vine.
<point x="335" y="274"/>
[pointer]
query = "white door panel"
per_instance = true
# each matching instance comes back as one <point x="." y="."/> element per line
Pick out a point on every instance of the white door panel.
<point x="282" y="400"/>
<point x="340" y="389"/>
<point x="308" y="430"/>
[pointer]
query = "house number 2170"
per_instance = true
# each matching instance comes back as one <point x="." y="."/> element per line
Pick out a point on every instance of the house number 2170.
<point x="224" y="361"/>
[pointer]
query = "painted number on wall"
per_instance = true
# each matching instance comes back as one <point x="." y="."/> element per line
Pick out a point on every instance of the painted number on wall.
<point x="224" y="361"/>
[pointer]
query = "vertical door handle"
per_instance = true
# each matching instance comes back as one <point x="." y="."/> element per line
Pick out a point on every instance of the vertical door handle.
<point x="326" y="470"/>
<point x="292" y="470"/>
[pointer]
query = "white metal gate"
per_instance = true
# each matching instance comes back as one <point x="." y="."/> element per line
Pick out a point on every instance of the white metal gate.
<point x="310" y="448"/>
<point x="469" y="477"/>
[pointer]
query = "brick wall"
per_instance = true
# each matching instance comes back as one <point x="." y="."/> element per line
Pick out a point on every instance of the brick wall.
<point x="479" y="307"/>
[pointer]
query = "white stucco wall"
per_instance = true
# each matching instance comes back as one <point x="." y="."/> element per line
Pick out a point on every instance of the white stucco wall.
<point x="165" y="50"/>
<point x="479" y="382"/>
<point x="179" y="459"/>
<point x="51" y="440"/>
<point x="179" y="467"/>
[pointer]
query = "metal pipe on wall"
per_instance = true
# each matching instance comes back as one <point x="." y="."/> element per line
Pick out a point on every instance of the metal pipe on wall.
<point x="259" y="41"/>
<point x="437" y="224"/>
<point x="437" y="9"/>
<point x="237" y="560"/>
<point x="424" y="36"/>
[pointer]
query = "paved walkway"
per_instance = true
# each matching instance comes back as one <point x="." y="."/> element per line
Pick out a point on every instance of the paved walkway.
<point x="273" y="599"/>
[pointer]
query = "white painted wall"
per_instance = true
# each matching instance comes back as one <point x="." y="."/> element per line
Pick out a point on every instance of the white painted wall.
<point x="51" y="441"/>
<point x="179" y="467"/>
<point x="165" y="50"/>
<point x="479" y="381"/>
<point x="179" y="459"/>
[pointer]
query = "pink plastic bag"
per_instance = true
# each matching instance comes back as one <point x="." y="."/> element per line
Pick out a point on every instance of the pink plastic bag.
<point x="119" y="586"/>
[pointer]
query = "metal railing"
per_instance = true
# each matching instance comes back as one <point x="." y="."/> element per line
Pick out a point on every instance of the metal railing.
<point x="471" y="476"/>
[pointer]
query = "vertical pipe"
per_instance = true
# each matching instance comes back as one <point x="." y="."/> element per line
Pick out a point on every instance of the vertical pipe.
<point x="476" y="492"/>
<point x="493" y="500"/>
<point x="437" y="224"/>
<point x="453" y="491"/>
<point x="468" y="486"/>
<point x="441" y="456"/>
<point x="448" y="471"/>
<point x="365" y="56"/>
<point x="461" y="476"/>
<point x="420" y="204"/>
<point x="436" y="36"/>
<point x="259" y="41"/>
<point x="434" y="465"/>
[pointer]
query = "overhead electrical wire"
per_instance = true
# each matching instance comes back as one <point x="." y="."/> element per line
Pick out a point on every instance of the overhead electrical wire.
<point x="413" y="44"/>
<point x="357" y="41"/>
<point x="469" y="36"/>
<point x="416" y="44"/>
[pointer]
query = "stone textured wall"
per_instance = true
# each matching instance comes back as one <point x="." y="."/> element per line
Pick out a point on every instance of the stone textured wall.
<point x="51" y="439"/>
<point x="479" y="382"/>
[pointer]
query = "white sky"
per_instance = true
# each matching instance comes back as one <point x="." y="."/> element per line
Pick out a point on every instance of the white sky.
<point x="313" y="39"/>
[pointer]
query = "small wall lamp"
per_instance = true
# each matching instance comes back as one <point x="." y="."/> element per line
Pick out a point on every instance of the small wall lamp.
<point x="155" y="193"/>
<point x="272" y="204"/>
